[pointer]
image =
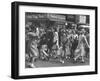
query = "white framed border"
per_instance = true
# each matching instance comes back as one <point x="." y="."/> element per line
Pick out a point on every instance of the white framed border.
<point x="53" y="70"/>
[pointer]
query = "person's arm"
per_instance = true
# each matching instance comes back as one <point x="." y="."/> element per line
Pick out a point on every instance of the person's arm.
<point x="86" y="41"/>
<point x="45" y="53"/>
<point x="31" y="33"/>
<point x="79" y="40"/>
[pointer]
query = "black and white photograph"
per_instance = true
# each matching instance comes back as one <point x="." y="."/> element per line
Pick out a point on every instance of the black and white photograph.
<point x="53" y="40"/>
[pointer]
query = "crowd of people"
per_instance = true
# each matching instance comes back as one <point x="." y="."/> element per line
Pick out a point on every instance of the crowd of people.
<point x="56" y="43"/>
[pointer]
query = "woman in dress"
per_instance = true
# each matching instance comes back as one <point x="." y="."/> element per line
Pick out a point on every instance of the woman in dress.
<point x="80" y="51"/>
<point x="33" y="52"/>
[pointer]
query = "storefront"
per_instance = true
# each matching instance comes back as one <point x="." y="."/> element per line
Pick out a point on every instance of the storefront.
<point x="46" y="20"/>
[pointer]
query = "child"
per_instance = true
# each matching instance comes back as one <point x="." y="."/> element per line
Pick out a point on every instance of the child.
<point x="43" y="52"/>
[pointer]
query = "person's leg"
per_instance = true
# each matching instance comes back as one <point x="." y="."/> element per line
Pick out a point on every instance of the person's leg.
<point x="83" y="52"/>
<point x="76" y="57"/>
<point x="83" y="59"/>
<point x="72" y="51"/>
<point x="32" y="64"/>
<point x="61" y="59"/>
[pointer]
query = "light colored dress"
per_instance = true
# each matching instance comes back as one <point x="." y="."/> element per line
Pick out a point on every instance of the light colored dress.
<point x="34" y="49"/>
<point x="56" y="38"/>
<point x="82" y="45"/>
<point x="80" y="51"/>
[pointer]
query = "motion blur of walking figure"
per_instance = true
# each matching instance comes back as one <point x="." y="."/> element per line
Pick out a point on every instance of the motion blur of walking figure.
<point x="80" y="51"/>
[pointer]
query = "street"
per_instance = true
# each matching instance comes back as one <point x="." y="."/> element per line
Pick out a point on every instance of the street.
<point x="56" y="63"/>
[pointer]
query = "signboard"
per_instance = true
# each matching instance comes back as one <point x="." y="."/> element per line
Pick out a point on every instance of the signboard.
<point x="55" y="17"/>
<point x="52" y="17"/>
<point x="82" y="19"/>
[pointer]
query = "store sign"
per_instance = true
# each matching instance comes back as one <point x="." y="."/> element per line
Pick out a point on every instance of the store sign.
<point x="52" y="17"/>
<point x="82" y="19"/>
<point x="36" y="16"/>
<point x="56" y="17"/>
